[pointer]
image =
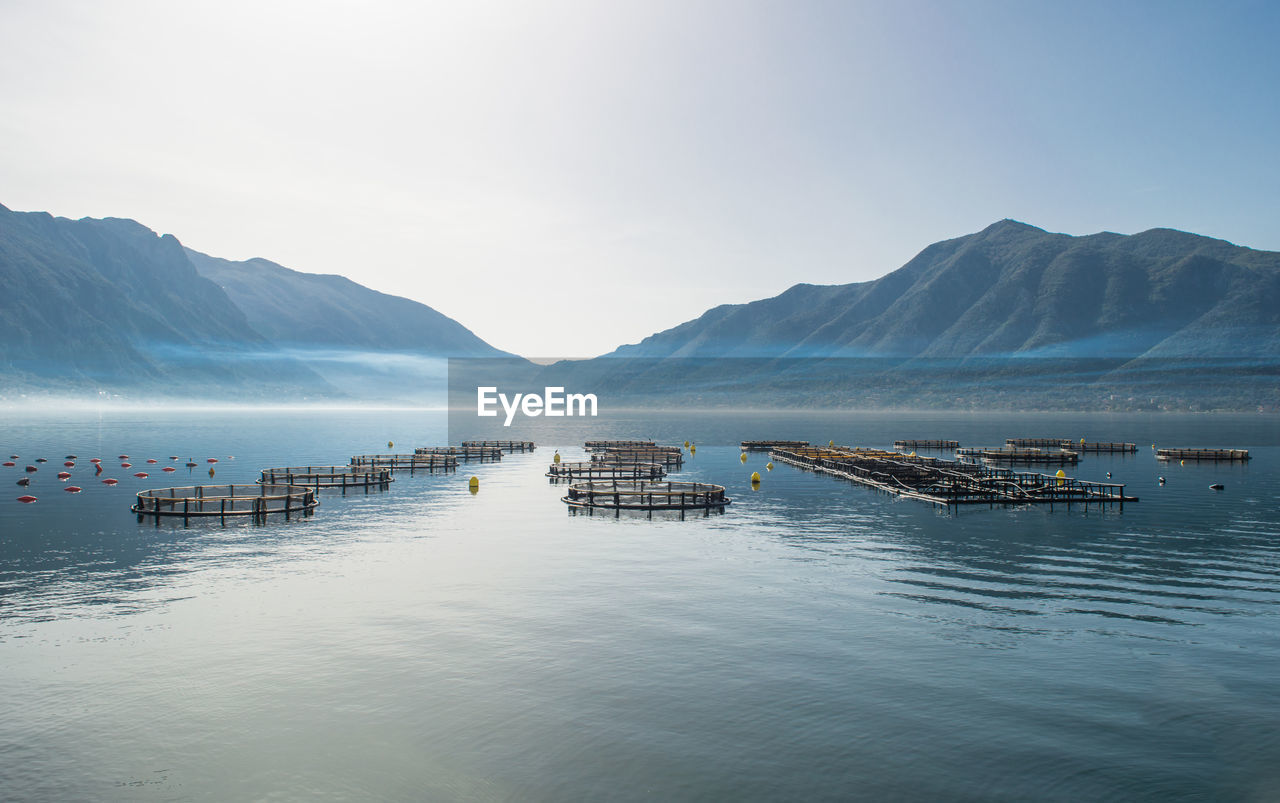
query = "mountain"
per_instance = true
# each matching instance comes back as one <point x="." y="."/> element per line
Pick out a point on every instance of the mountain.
<point x="1009" y="317"/>
<point x="309" y="310"/>
<point x="1015" y="290"/>
<point x="110" y="306"/>
<point x="94" y="303"/>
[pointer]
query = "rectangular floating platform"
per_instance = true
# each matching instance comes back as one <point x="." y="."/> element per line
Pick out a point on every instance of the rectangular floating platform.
<point x="950" y="483"/>
<point x="927" y="444"/>
<point x="506" y="446"/>
<point x="1194" y="453"/>
<point x="482" y="454"/>
<point x="764" y="446"/>
<point x="596" y="446"/>
<point x="1029" y="456"/>
<point x="407" y="462"/>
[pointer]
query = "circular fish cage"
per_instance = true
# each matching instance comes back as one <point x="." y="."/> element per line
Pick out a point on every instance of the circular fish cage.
<point x="337" y="477"/>
<point x="666" y="456"/>
<point x="646" y="495"/>
<point x="506" y="446"/>
<point x="594" y="470"/>
<point x="483" y="454"/>
<point x="599" y="446"/>
<point x="406" y="462"/>
<point x="258" y="501"/>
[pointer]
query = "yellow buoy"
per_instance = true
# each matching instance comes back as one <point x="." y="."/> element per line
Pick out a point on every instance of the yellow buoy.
<point x="210" y="471"/>
<point x="555" y="458"/>
<point x="768" y="466"/>
<point x="755" y="478"/>
<point x="474" y="484"/>
<point x="744" y="457"/>
<point x="390" y="444"/>
<point x="1062" y="477"/>
<point x="913" y="454"/>
<point x="693" y="450"/>
<point x="686" y="444"/>
<point x="831" y="443"/>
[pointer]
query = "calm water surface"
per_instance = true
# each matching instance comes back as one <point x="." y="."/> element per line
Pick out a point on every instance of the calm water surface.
<point x="817" y="641"/>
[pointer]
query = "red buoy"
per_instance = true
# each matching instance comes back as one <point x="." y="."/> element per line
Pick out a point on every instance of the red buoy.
<point x="94" y="460"/>
<point x="141" y="475"/>
<point x="32" y="469"/>
<point x="26" y="500"/>
<point x="70" y="464"/>
<point x="97" y="468"/>
<point x="152" y="460"/>
<point x="168" y="468"/>
<point x="69" y="457"/>
<point x="62" y="475"/>
<point x="212" y="460"/>
<point x="124" y="457"/>
<point x="109" y="481"/>
<point x="24" y="482"/>
<point x="10" y="463"/>
<point x="72" y="489"/>
<point x="126" y="465"/>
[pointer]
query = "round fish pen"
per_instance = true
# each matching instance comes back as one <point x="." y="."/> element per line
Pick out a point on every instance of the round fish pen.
<point x="646" y="496"/>
<point x="667" y="456"/>
<point x="596" y="470"/>
<point x="337" y="477"/>
<point x="599" y="446"/>
<point x="506" y="446"/>
<point x="258" y="501"/>
<point x="406" y="462"/>
<point x="483" y="454"/>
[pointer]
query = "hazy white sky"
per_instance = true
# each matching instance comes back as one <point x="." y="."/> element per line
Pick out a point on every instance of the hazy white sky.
<point x="564" y="177"/>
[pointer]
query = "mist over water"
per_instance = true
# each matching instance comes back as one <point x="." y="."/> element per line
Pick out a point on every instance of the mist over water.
<point x="816" y="641"/>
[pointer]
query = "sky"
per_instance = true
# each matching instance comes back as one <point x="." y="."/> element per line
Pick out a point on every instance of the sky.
<point x="566" y="177"/>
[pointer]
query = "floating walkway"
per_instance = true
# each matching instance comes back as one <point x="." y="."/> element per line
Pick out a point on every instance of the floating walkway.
<point x="927" y="444"/>
<point x="1027" y="456"/>
<point x="949" y="483"/>
<point x="506" y="446"/>
<point x="339" y="477"/>
<point x="407" y="462"/>
<point x="646" y="496"/>
<point x="764" y="446"/>
<point x="599" y="446"/>
<point x="670" y="457"/>
<point x="1192" y="453"/>
<point x="256" y="501"/>
<point x="599" y="470"/>
<point x="482" y="454"/>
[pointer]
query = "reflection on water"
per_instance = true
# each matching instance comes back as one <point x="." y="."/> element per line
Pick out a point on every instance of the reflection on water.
<point x="816" y="640"/>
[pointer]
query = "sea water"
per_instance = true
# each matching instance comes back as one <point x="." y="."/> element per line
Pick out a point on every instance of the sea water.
<point x="818" y="640"/>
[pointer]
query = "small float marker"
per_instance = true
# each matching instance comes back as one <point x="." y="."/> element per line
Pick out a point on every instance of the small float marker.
<point x="73" y="489"/>
<point x="210" y="471"/>
<point x="755" y="478"/>
<point x="24" y="482"/>
<point x="152" y="460"/>
<point x="109" y="481"/>
<point x="391" y="444"/>
<point x="168" y="468"/>
<point x="743" y="458"/>
<point x="555" y="458"/>
<point x="141" y="475"/>
<point x="474" y="484"/>
<point x="10" y="463"/>
<point x="768" y="466"/>
<point x="126" y="465"/>
<point x="212" y="460"/>
<point x="26" y="500"/>
<point x="62" y="475"/>
<point x="70" y="464"/>
<point x="1217" y="486"/>
<point x="31" y="469"/>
